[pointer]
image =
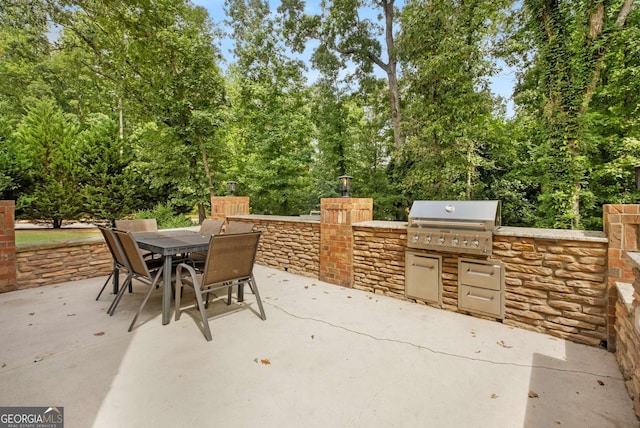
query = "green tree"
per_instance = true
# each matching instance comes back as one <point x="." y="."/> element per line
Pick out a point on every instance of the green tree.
<point x="110" y="188"/>
<point x="449" y="113"/>
<point x="270" y="114"/>
<point x="162" y="62"/>
<point x="341" y="28"/>
<point x="50" y="139"/>
<point x="562" y="47"/>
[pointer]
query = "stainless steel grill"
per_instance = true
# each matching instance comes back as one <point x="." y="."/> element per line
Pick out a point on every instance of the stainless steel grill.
<point x="453" y="226"/>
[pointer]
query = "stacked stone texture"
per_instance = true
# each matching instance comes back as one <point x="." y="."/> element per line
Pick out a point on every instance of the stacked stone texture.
<point x="555" y="286"/>
<point x="628" y="353"/>
<point x="551" y="286"/>
<point x="378" y="260"/>
<point x="622" y="226"/>
<point x="288" y="243"/>
<point x="39" y="265"/>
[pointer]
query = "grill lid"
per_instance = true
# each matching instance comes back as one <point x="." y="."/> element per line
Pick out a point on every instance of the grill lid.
<point x="461" y="214"/>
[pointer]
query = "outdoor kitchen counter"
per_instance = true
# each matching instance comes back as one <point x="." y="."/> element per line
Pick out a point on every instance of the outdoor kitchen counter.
<point x="521" y="232"/>
<point x="552" y="234"/>
<point x="381" y="224"/>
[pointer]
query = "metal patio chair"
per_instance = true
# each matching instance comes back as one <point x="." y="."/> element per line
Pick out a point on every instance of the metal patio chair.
<point x="141" y="225"/>
<point x="119" y="259"/>
<point x="230" y="261"/>
<point x="210" y="226"/>
<point x="148" y="272"/>
<point x="238" y="227"/>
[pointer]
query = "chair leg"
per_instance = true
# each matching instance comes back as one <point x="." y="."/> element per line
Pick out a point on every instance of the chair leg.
<point x="178" y="295"/>
<point x="116" y="300"/>
<point x="105" y="285"/>
<point x="152" y="286"/>
<point x="203" y="313"/>
<point x="254" y="289"/>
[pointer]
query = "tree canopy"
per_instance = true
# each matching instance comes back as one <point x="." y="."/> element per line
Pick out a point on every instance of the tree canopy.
<point x="112" y="107"/>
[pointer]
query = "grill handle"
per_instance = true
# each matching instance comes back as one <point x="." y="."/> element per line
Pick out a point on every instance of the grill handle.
<point x="454" y="224"/>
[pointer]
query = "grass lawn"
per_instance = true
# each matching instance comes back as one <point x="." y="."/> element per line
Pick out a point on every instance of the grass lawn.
<point x="30" y="236"/>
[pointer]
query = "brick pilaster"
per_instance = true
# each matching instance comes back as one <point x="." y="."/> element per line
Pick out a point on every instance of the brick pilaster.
<point x="225" y="206"/>
<point x="336" y="236"/>
<point x="7" y="247"/>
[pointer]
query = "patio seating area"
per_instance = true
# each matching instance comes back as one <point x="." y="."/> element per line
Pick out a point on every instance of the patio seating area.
<point x="327" y="356"/>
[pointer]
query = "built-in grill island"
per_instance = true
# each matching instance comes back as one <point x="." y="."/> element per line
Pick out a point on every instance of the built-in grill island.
<point x="455" y="239"/>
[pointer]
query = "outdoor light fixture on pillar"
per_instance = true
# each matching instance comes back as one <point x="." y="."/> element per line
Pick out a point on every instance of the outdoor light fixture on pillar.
<point x="345" y="185"/>
<point x="231" y="188"/>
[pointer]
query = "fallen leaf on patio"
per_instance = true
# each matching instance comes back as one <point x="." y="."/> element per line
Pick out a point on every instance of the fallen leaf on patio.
<point x="312" y="337"/>
<point x="32" y="313"/>
<point x="348" y="297"/>
<point x="313" y="285"/>
<point x="478" y="351"/>
<point x="4" y="365"/>
<point x="71" y="315"/>
<point x="265" y="362"/>
<point x="306" y="286"/>
<point x="601" y="383"/>
<point x="100" y="333"/>
<point x="533" y="394"/>
<point x="504" y="345"/>
<point x="494" y="396"/>
<point x="558" y="422"/>
<point x="255" y="360"/>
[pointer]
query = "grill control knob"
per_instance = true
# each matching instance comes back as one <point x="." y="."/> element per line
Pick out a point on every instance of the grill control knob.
<point x="427" y="239"/>
<point x="441" y="240"/>
<point x="475" y="243"/>
<point x="415" y="238"/>
<point x="454" y="241"/>
<point x="465" y="242"/>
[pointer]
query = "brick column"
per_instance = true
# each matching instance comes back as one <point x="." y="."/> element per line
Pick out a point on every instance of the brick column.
<point x="7" y="247"/>
<point x="224" y="206"/>
<point x="336" y="236"/>
<point x="621" y="224"/>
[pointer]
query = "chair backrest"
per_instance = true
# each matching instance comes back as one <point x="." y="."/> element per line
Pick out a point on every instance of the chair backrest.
<point x="230" y="257"/>
<point x="238" y="227"/>
<point x="141" y="225"/>
<point x="132" y="252"/>
<point x="113" y="245"/>
<point x="211" y="226"/>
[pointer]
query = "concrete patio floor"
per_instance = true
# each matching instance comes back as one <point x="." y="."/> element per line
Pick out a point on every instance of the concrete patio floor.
<point x="326" y="356"/>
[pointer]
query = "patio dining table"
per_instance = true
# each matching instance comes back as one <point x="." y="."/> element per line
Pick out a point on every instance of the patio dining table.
<point x="168" y="244"/>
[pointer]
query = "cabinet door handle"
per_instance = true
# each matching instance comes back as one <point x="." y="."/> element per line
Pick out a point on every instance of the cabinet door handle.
<point x="422" y="266"/>
<point x="473" y="272"/>
<point x="485" y="299"/>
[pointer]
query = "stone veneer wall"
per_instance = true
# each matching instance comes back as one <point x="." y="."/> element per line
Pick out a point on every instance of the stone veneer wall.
<point x="287" y="243"/>
<point x="628" y="331"/>
<point x="62" y="261"/>
<point x="621" y="224"/>
<point x="555" y="281"/>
